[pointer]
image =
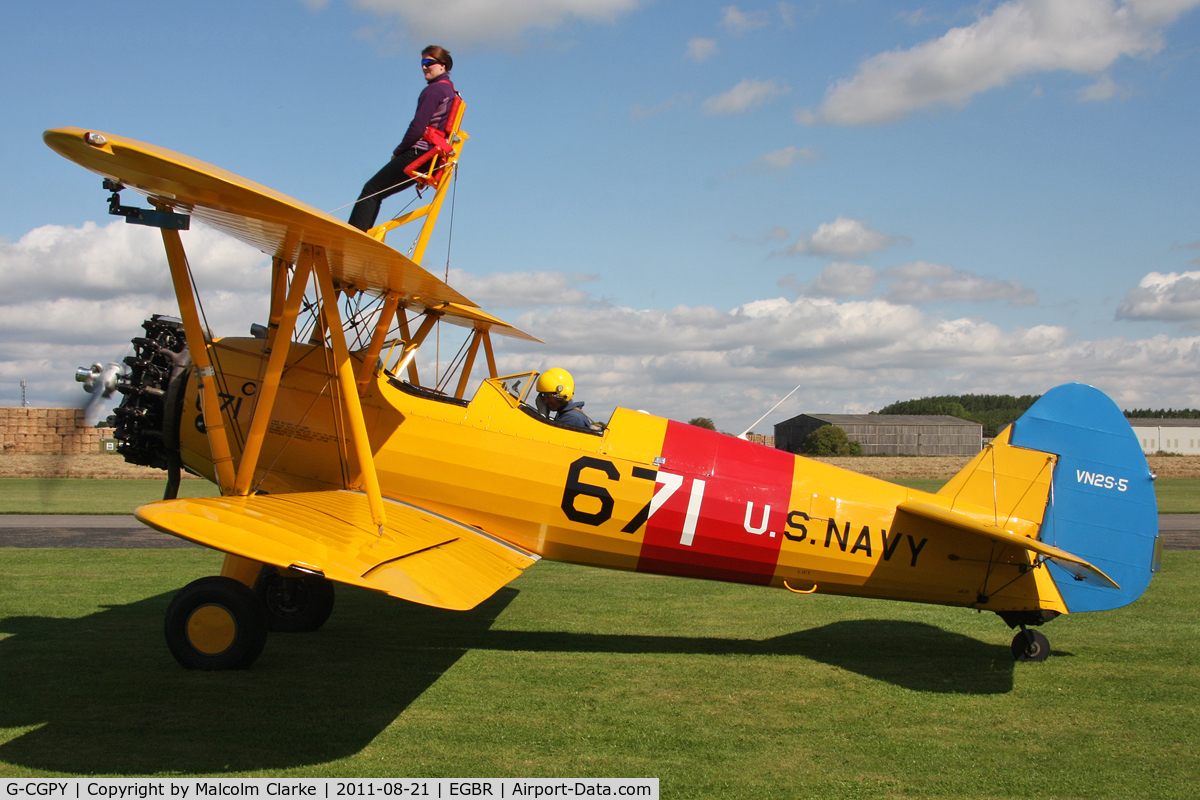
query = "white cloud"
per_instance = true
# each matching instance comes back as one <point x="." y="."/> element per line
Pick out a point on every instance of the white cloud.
<point x="680" y="362"/>
<point x="522" y="289"/>
<point x="71" y="296"/>
<point x="856" y="355"/>
<point x="785" y="158"/>
<point x="913" y="283"/>
<point x="738" y="22"/>
<point x="1017" y="38"/>
<point x="1104" y="89"/>
<point x="775" y="161"/>
<point x="1173" y="297"/>
<point x="843" y="279"/>
<point x="464" y="22"/>
<point x="701" y="49"/>
<point x="99" y="263"/>
<point x="1193" y="246"/>
<point x="747" y="95"/>
<point x="786" y="15"/>
<point x="914" y="18"/>
<point x="842" y="238"/>
<point x="925" y="282"/>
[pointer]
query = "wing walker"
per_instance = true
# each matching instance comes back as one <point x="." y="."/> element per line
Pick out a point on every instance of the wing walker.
<point x="337" y="464"/>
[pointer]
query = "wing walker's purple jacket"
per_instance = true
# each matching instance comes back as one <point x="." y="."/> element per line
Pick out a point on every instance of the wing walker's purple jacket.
<point x="432" y="107"/>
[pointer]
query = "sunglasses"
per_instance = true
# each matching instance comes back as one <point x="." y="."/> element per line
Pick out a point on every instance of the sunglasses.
<point x="429" y="62"/>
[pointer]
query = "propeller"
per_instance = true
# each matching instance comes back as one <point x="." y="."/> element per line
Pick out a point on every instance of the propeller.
<point x="100" y="381"/>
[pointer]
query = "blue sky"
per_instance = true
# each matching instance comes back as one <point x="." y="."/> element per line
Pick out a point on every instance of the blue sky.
<point x="697" y="205"/>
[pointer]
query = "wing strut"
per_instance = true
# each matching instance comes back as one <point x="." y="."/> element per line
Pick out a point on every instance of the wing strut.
<point x="214" y="419"/>
<point x="278" y="344"/>
<point x="349" y="385"/>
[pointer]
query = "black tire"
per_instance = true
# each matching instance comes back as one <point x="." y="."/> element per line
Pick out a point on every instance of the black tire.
<point x="216" y="623"/>
<point x="294" y="603"/>
<point x="1030" y="646"/>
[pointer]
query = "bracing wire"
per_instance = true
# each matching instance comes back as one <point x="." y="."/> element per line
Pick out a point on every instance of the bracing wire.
<point x="455" y="363"/>
<point x="450" y="237"/>
<point x="219" y="374"/>
<point x="449" y="245"/>
<point x="388" y="189"/>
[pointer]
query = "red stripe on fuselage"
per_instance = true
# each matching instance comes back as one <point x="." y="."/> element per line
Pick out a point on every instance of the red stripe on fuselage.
<point x="741" y="481"/>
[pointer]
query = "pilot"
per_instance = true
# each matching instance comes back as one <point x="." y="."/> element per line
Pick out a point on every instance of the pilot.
<point x="555" y="389"/>
<point x="432" y="107"/>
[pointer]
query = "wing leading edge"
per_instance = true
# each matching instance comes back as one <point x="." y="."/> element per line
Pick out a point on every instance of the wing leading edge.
<point x="270" y="221"/>
<point x="423" y="557"/>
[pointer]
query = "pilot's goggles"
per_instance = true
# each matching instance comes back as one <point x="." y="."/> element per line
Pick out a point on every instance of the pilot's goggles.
<point x="429" y="62"/>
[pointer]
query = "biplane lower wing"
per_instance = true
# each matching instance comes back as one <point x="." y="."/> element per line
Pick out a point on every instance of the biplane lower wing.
<point x="1079" y="568"/>
<point x="422" y="557"/>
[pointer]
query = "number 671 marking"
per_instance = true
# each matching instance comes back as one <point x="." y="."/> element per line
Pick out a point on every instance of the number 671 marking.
<point x="670" y="484"/>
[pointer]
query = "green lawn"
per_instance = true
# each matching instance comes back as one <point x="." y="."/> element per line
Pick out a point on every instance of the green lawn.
<point x="719" y="690"/>
<point x="1178" y="495"/>
<point x="88" y="495"/>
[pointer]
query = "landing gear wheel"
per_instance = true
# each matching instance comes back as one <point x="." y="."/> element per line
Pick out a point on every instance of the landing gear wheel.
<point x="1030" y="646"/>
<point x="216" y="623"/>
<point x="295" y="603"/>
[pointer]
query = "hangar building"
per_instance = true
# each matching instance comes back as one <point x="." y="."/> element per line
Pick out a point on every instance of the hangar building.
<point x="1168" y="435"/>
<point x="889" y="434"/>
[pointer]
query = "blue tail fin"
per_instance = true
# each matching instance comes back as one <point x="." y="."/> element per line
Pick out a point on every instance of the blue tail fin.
<point x="1102" y="505"/>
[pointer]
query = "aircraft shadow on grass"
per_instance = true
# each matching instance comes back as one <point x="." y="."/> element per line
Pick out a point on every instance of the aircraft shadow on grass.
<point x="102" y="696"/>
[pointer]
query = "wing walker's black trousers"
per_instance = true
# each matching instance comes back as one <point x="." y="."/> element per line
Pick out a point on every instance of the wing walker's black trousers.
<point x="387" y="182"/>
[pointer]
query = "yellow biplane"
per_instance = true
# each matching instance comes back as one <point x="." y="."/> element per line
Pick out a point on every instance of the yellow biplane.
<point x="336" y="464"/>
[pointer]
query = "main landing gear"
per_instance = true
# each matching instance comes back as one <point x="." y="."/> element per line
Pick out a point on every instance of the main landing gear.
<point x="220" y="623"/>
<point x="295" y="603"/>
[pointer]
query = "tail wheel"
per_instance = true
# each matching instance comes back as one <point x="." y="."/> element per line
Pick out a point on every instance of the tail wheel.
<point x="216" y="623"/>
<point x="1030" y="646"/>
<point x="295" y="603"/>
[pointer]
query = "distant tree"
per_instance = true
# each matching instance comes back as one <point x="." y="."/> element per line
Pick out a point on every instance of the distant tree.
<point x="703" y="422"/>
<point x="993" y="411"/>
<point x="830" y="440"/>
<point x="1163" y="413"/>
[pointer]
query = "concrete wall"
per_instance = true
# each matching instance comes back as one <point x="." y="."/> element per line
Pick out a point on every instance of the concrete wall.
<point x="48" y="431"/>
<point x="1178" y="437"/>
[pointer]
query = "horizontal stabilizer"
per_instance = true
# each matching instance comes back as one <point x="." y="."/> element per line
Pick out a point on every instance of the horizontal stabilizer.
<point x="422" y="557"/>
<point x="1076" y="566"/>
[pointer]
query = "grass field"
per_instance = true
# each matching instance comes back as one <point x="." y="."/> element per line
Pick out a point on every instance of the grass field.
<point x="88" y="495"/>
<point x="719" y="690"/>
<point x="98" y="496"/>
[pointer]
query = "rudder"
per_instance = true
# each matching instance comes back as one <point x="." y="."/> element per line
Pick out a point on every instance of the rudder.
<point x="1101" y="505"/>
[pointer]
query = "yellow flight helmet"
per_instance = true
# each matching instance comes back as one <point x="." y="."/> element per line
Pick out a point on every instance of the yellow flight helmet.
<point x="556" y="381"/>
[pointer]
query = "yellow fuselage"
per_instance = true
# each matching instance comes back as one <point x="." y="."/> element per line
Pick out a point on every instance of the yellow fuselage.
<point x="645" y="494"/>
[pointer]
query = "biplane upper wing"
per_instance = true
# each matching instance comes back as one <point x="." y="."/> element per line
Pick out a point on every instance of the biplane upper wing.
<point x="1079" y="568"/>
<point x="271" y="221"/>
<point x="423" y="557"/>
